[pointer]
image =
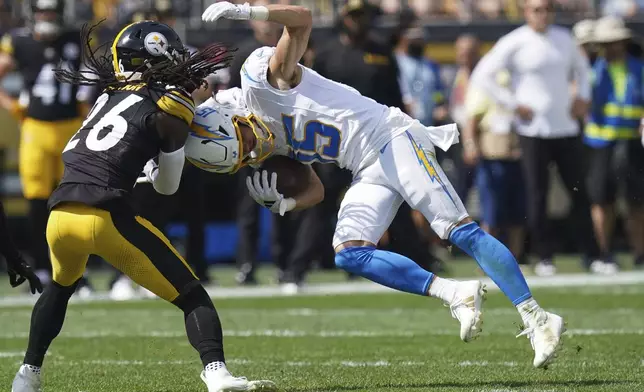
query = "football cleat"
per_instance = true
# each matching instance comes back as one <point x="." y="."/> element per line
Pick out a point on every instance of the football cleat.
<point x="26" y="380"/>
<point x="466" y="308"/>
<point x="221" y="380"/>
<point x="545" y="268"/>
<point x="545" y="337"/>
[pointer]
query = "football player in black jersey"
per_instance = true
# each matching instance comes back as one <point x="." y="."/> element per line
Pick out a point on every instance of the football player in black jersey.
<point x="50" y="110"/>
<point x="144" y="113"/>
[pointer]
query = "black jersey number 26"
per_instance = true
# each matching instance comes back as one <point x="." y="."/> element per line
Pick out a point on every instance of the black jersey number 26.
<point x="111" y="121"/>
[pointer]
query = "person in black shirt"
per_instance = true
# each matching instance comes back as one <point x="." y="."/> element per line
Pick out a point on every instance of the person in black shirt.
<point x="374" y="73"/>
<point x="144" y="113"/>
<point x="264" y="34"/>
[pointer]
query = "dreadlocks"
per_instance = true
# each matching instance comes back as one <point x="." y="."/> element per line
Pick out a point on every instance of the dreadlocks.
<point x="189" y="74"/>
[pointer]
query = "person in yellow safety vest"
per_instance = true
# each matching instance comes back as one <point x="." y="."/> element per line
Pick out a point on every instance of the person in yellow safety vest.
<point x="616" y="156"/>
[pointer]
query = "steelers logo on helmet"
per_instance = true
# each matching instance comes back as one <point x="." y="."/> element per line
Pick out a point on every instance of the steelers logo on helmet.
<point x="156" y="44"/>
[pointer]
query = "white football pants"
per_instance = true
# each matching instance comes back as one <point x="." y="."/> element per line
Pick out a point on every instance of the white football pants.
<point x="405" y="169"/>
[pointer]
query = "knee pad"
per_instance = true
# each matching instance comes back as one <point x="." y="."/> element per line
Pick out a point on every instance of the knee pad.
<point x="354" y="257"/>
<point x="193" y="297"/>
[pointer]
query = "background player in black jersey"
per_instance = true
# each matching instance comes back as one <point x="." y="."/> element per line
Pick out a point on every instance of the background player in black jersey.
<point x="51" y="115"/>
<point x="144" y="113"/>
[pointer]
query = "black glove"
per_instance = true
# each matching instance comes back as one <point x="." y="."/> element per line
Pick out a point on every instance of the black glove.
<point x="19" y="271"/>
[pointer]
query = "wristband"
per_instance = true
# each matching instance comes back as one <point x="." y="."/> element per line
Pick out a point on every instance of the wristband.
<point x="259" y="12"/>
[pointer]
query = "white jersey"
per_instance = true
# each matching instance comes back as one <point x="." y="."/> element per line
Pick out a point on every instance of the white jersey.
<point x="320" y="120"/>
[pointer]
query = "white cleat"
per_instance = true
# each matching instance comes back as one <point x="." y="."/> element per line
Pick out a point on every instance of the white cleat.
<point x="145" y="293"/>
<point x="26" y="380"/>
<point x="221" y="380"/>
<point x="545" y="337"/>
<point x="466" y="308"/>
<point x="545" y="268"/>
<point x="290" y="288"/>
<point x="122" y="289"/>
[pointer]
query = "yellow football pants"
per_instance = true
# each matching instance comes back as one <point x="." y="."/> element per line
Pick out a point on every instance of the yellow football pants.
<point x="40" y="154"/>
<point x="130" y="243"/>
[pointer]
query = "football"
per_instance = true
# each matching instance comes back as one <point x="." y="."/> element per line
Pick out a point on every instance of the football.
<point x="292" y="176"/>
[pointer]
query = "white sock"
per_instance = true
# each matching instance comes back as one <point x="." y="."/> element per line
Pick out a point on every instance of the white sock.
<point x="530" y="311"/>
<point x="32" y="368"/>
<point x="444" y="289"/>
<point x="212" y="366"/>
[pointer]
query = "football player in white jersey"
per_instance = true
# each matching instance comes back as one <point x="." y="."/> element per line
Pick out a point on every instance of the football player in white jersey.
<point x="287" y="109"/>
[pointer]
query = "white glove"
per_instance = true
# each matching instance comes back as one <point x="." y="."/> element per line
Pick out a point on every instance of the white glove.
<point x="150" y="172"/>
<point x="266" y="193"/>
<point x="226" y="10"/>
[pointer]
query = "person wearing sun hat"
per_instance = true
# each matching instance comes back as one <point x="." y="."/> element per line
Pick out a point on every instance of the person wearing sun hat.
<point x="616" y="155"/>
<point x="584" y="33"/>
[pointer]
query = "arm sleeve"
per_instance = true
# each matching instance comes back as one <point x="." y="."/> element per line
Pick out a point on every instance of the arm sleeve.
<point x="581" y="72"/>
<point x="485" y="73"/>
<point x="168" y="176"/>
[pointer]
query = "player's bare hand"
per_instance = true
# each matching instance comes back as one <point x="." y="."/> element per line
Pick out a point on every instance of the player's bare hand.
<point x="19" y="272"/>
<point x="226" y="10"/>
<point x="579" y="108"/>
<point x="524" y="113"/>
<point x="471" y="155"/>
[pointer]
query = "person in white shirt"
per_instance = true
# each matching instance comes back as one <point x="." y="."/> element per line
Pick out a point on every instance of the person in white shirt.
<point x="543" y="61"/>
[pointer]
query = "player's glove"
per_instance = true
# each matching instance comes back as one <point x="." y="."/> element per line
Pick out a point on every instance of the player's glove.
<point x="226" y="10"/>
<point x="19" y="271"/>
<point x="150" y="172"/>
<point x="266" y="194"/>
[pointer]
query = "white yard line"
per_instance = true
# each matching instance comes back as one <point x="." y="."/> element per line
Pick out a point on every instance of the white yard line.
<point x="558" y="281"/>
<point x="290" y="334"/>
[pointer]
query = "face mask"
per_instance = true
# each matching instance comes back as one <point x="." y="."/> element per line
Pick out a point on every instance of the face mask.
<point x="416" y="49"/>
<point x="47" y="28"/>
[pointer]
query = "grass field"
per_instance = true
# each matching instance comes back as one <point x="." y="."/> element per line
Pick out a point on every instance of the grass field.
<point x="357" y="342"/>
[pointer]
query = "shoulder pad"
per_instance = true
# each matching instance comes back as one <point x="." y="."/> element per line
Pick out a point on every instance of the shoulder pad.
<point x="254" y="69"/>
<point x="177" y="102"/>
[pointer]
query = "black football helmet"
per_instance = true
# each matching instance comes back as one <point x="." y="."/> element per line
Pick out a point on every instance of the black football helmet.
<point x="143" y="45"/>
<point x="46" y="16"/>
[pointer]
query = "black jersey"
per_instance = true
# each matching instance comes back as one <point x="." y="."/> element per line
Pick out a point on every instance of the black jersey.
<point x="105" y="157"/>
<point x="49" y="100"/>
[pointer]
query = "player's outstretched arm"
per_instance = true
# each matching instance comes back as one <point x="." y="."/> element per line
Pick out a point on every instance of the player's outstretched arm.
<point x="297" y="22"/>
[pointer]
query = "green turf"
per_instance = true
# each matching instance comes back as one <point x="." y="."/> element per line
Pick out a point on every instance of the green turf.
<point x="384" y="342"/>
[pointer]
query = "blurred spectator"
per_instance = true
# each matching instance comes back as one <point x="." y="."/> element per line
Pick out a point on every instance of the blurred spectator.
<point x="584" y="32"/>
<point x="621" y="8"/>
<point x="468" y="53"/>
<point x="374" y="73"/>
<point x="541" y="59"/>
<point x="284" y="227"/>
<point x="420" y="79"/>
<point x="490" y="144"/>
<point x="616" y="152"/>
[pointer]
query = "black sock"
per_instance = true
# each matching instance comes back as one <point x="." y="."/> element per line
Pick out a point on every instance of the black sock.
<point x="202" y="325"/>
<point x="47" y="320"/>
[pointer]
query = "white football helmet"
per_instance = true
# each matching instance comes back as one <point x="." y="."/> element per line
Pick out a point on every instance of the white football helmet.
<point x="215" y="143"/>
